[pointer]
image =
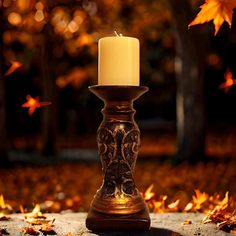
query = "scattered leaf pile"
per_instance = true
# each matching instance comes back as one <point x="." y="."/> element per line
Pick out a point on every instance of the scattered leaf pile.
<point x="39" y="222"/>
<point x="223" y="215"/>
<point x="222" y="212"/>
<point x="72" y="186"/>
<point x="3" y="232"/>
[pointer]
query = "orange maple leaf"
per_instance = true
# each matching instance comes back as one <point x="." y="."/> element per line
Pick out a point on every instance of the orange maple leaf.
<point x="229" y="81"/>
<point x="216" y="10"/>
<point x="199" y="198"/>
<point x="33" y="103"/>
<point x="14" y="66"/>
<point x="149" y="194"/>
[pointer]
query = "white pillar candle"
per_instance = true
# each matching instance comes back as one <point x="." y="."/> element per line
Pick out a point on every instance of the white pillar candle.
<point x="118" y="61"/>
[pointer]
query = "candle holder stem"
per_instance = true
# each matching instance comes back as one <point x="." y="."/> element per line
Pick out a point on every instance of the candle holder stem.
<point x="118" y="203"/>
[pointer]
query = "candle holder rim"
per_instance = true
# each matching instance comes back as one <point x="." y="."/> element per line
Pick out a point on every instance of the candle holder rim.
<point x="140" y="87"/>
<point x="118" y="92"/>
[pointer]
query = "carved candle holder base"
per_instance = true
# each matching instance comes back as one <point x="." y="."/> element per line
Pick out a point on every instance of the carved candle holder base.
<point x="118" y="205"/>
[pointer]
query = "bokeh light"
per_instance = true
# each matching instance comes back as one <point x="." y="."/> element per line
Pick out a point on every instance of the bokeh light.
<point x="14" y="18"/>
<point x="39" y="15"/>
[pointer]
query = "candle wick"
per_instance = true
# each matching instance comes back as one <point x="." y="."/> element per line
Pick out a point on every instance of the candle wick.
<point x="118" y="35"/>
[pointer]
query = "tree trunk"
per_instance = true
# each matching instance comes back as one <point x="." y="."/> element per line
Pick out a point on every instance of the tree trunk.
<point x="3" y="133"/>
<point x="190" y="85"/>
<point x="49" y="119"/>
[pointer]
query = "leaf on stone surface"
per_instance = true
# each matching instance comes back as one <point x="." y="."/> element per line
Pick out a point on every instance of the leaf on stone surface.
<point x="187" y="222"/>
<point x="4" y="218"/>
<point x="222" y="216"/>
<point x="174" y="205"/>
<point x="149" y="194"/>
<point x="199" y="198"/>
<point x="216" y="10"/>
<point x="48" y="228"/>
<point x="37" y="221"/>
<point x="30" y="231"/>
<point x="4" y="207"/>
<point x="4" y="232"/>
<point x="188" y="207"/>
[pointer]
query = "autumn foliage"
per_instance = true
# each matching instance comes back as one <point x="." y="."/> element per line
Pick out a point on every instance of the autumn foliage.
<point x="217" y="10"/>
<point x="33" y="103"/>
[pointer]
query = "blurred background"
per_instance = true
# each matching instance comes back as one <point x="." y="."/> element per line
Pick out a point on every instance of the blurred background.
<point x="187" y="119"/>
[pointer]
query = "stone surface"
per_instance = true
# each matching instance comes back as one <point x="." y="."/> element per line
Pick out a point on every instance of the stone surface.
<point x="162" y="224"/>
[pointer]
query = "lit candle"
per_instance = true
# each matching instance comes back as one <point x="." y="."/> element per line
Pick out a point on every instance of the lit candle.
<point x="118" y="61"/>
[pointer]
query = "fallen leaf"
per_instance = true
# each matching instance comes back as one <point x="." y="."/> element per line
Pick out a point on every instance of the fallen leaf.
<point x="188" y="207"/>
<point x="6" y="208"/>
<point x="174" y="204"/>
<point x="4" y="218"/>
<point x="30" y="231"/>
<point x="187" y="222"/>
<point x="48" y="228"/>
<point x="216" y="10"/>
<point x="149" y="194"/>
<point x="51" y="232"/>
<point x="4" y="232"/>
<point x="223" y="217"/>
<point x="199" y="199"/>
<point x="37" y="221"/>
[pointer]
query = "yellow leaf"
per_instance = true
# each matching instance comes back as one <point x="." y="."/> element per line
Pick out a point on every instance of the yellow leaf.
<point x="216" y="10"/>
<point x="187" y="222"/>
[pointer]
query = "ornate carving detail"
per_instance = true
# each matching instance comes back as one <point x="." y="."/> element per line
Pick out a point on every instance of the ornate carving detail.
<point x="118" y="149"/>
<point x="118" y="140"/>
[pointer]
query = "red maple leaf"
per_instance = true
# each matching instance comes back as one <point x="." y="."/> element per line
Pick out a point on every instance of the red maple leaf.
<point x="33" y="103"/>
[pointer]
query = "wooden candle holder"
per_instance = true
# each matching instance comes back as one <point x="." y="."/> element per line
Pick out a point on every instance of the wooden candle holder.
<point x="118" y="205"/>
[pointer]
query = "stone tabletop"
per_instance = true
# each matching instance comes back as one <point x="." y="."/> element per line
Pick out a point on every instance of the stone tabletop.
<point x="73" y="224"/>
